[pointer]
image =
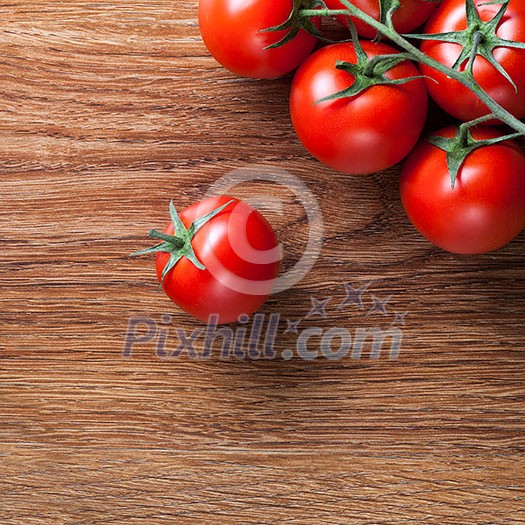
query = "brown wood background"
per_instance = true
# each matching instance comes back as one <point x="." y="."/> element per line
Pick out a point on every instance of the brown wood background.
<point x="108" y="110"/>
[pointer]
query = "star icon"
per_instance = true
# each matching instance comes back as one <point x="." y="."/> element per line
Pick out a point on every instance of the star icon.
<point x="293" y="327"/>
<point x="379" y="305"/>
<point x="399" y="318"/>
<point x="354" y="295"/>
<point x="318" y="307"/>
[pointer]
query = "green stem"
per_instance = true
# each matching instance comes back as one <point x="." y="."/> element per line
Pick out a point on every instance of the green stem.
<point x="176" y="241"/>
<point x="466" y="78"/>
<point x="475" y="46"/>
<point x="464" y="130"/>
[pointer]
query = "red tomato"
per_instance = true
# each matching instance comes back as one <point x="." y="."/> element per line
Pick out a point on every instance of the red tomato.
<point x="364" y="133"/>
<point x="239" y="249"/>
<point x="453" y="97"/>
<point x="231" y="30"/>
<point x="486" y="208"/>
<point x="411" y="14"/>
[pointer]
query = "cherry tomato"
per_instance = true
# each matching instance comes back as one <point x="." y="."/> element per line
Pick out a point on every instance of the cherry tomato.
<point x="231" y="30"/>
<point x="364" y="133"/>
<point x="240" y="253"/>
<point x="453" y="97"/>
<point x="411" y="14"/>
<point x="486" y="208"/>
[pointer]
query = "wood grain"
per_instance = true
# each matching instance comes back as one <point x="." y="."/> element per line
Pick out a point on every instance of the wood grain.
<point x="108" y="110"/>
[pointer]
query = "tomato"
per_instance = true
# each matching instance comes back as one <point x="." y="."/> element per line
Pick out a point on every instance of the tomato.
<point x="453" y="97"/>
<point x="411" y="14"/>
<point x="364" y="133"/>
<point x="239" y="251"/>
<point x="231" y="30"/>
<point x="486" y="208"/>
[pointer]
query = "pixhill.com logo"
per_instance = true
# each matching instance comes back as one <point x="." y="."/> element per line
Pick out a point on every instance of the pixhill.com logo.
<point x="272" y="336"/>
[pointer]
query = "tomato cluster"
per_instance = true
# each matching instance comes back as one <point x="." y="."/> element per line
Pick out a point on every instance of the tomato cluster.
<point x="359" y="117"/>
<point x="359" y="106"/>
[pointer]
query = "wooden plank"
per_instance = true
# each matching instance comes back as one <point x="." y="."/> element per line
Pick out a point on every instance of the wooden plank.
<point x="107" y="111"/>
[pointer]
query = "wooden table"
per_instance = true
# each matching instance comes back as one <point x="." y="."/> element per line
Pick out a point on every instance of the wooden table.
<point x="108" y="111"/>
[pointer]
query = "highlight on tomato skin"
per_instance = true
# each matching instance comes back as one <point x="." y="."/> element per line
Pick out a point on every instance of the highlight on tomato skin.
<point x="365" y="133"/>
<point x="241" y="255"/>
<point x="486" y="208"/>
<point x="232" y="33"/>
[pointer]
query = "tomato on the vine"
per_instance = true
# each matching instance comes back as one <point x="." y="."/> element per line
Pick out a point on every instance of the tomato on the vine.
<point x="486" y="207"/>
<point x="232" y="32"/>
<point x="359" y="134"/>
<point x="219" y="257"/>
<point x="409" y="15"/>
<point x="453" y="97"/>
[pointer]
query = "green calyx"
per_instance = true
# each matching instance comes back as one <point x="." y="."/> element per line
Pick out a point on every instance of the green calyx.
<point x="459" y="147"/>
<point x="479" y="38"/>
<point x="296" y="22"/>
<point x="179" y="245"/>
<point x="368" y="72"/>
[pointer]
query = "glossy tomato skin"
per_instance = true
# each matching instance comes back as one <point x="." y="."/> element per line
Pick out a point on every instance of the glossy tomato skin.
<point x="363" y="134"/>
<point x="410" y="15"/>
<point x="453" y="97"/>
<point x="486" y="208"/>
<point x="231" y="29"/>
<point x="239" y="249"/>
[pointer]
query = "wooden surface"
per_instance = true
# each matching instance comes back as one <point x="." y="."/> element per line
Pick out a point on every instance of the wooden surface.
<point x="108" y="110"/>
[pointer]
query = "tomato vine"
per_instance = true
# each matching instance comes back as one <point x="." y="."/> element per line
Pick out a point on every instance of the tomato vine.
<point x="464" y="77"/>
